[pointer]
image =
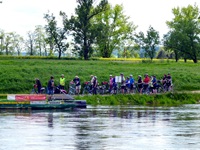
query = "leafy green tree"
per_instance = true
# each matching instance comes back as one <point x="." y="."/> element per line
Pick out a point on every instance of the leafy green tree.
<point x="149" y="42"/>
<point x="172" y="44"/>
<point x="130" y="49"/>
<point x="41" y="44"/>
<point x="83" y="30"/>
<point x="18" y="43"/>
<point x="57" y="35"/>
<point x="50" y="41"/>
<point x="113" y="29"/>
<point x="9" y="43"/>
<point x="30" y="43"/>
<point x="2" y="34"/>
<point x="185" y="31"/>
<point x="161" y="54"/>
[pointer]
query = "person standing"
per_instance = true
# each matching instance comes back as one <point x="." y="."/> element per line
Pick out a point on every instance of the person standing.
<point x="91" y="82"/>
<point x="51" y="86"/>
<point x="164" y="79"/>
<point x="110" y="83"/>
<point x="169" y="82"/>
<point x="94" y="85"/>
<point x="122" y="78"/>
<point x="131" y="83"/>
<point x="78" y="84"/>
<point x="146" y="81"/>
<point x="123" y="83"/>
<point x="114" y="85"/>
<point x="38" y="85"/>
<point x="140" y="84"/>
<point x="154" y="83"/>
<point x="127" y="88"/>
<point x="62" y="82"/>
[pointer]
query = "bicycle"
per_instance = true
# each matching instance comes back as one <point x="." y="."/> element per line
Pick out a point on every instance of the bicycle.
<point x="103" y="88"/>
<point x="58" y="90"/>
<point x="87" y="88"/>
<point x="35" y="90"/>
<point x="145" y="89"/>
<point x="114" y="89"/>
<point x="72" y="88"/>
<point x="169" y="87"/>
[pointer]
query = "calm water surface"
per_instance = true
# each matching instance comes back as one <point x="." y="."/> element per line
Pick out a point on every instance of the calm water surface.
<point x="102" y="128"/>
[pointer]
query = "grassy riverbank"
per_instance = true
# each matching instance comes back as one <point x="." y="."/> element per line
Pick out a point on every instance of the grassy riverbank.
<point x="164" y="100"/>
<point x="17" y="75"/>
<point x="169" y="99"/>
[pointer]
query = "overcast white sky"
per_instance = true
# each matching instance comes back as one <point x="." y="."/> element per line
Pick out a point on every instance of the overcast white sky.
<point x="22" y="16"/>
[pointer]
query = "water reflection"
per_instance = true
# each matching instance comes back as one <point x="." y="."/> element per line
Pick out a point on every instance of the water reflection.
<point x="102" y="128"/>
<point x="50" y="120"/>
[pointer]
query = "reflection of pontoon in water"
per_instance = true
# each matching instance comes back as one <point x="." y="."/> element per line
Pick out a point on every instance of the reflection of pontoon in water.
<point x="41" y="101"/>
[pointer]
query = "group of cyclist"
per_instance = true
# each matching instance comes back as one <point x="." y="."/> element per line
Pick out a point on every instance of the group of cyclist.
<point x="148" y="84"/>
<point x="115" y="84"/>
<point x="51" y="89"/>
<point x="120" y="84"/>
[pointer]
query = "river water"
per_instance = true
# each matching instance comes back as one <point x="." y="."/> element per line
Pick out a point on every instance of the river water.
<point x="102" y="128"/>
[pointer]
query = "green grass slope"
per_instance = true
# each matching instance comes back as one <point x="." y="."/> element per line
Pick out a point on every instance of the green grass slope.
<point x="17" y="75"/>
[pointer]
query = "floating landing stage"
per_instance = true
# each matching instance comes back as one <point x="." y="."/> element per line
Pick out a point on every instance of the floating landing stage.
<point x="41" y="101"/>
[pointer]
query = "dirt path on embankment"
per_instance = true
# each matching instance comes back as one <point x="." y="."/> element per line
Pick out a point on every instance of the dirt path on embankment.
<point x="198" y="91"/>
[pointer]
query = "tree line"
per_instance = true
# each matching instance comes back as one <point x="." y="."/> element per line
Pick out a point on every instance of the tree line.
<point x="97" y="29"/>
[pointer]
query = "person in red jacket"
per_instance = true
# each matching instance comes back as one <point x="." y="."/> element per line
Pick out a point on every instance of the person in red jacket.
<point x="146" y="81"/>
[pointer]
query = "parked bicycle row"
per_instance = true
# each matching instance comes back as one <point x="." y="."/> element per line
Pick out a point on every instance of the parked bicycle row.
<point x="115" y="85"/>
